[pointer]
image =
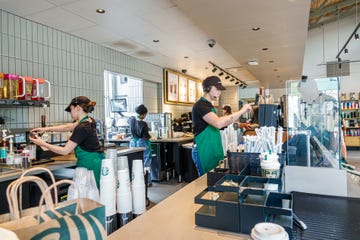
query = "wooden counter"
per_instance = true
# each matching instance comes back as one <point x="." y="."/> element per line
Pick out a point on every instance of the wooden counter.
<point x="173" y="218"/>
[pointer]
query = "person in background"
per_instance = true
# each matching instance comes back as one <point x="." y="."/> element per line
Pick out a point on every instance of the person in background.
<point x="207" y="149"/>
<point x="141" y="137"/>
<point x="227" y="112"/>
<point x="83" y="140"/>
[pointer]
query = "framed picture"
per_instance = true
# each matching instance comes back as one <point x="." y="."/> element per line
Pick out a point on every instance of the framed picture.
<point x="180" y="88"/>
<point x="191" y="91"/>
<point x="183" y="89"/>
<point x="172" y="87"/>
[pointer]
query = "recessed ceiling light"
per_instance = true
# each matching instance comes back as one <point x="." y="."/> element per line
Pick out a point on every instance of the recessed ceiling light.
<point x="256" y="28"/>
<point x="156" y="40"/>
<point x="99" y="10"/>
<point x="275" y="70"/>
<point x="186" y="57"/>
<point x="264" y="49"/>
<point x="253" y="62"/>
<point x="271" y="61"/>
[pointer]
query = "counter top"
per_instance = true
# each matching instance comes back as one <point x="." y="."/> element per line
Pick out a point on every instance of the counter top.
<point x="174" y="218"/>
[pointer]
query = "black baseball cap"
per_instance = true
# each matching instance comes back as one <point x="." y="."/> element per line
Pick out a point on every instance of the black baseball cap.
<point x="77" y="101"/>
<point x="213" y="81"/>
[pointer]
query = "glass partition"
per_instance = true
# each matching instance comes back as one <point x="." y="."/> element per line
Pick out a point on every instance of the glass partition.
<point x="314" y="124"/>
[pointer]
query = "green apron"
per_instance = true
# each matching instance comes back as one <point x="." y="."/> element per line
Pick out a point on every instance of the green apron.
<point x="209" y="147"/>
<point x="90" y="160"/>
<point x="148" y="144"/>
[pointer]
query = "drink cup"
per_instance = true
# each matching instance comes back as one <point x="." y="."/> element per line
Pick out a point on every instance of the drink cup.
<point x="111" y="153"/>
<point x="124" y="202"/>
<point x="123" y="181"/>
<point x="123" y="163"/>
<point x="138" y="198"/>
<point x="268" y="231"/>
<point x="107" y="169"/>
<point x="137" y="175"/>
<point x="270" y="169"/>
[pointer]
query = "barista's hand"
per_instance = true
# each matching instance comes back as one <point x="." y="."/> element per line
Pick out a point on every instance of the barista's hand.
<point x="36" y="139"/>
<point x="247" y="108"/>
<point x="38" y="130"/>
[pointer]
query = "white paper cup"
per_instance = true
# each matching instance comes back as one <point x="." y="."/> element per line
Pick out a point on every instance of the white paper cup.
<point x="138" y="198"/>
<point x="124" y="202"/>
<point x="123" y="184"/>
<point x="268" y="231"/>
<point x="107" y="169"/>
<point x="108" y="195"/>
<point x="112" y="154"/>
<point x="137" y="175"/>
<point x="123" y="163"/>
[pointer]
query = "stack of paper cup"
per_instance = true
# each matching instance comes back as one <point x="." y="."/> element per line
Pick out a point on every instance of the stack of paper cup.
<point x="111" y="153"/>
<point x="108" y="193"/>
<point x="124" y="199"/>
<point x="138" y="188"/>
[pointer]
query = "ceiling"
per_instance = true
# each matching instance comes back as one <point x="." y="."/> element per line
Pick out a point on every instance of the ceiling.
<point x="183" y="27"/>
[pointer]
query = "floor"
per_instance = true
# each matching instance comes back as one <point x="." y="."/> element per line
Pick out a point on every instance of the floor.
<point x="161" y="190"/>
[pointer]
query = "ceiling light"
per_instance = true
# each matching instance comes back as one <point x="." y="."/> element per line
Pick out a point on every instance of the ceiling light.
<point x="253" y="62"/>
<point x="265" y="48"/>
<point x="156" y="40"/>
<point x="99" y="10"/>
<point x="225" y="72"/>
<point x="237" y="82"/>
<point x="346" y="51"/>
<point x="231" y="80"/>
<point x="214" y="69"/>
<point x="227" y="77"/>
<point x="356" y="36"/>
<point x="271" y="61"/>
<point x="186" y="57"/>
<point x="255" y="28"/>
<point x="222" y="73"/>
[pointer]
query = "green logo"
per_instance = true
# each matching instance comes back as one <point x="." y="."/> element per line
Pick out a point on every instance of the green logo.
<point x="105" y="171"/>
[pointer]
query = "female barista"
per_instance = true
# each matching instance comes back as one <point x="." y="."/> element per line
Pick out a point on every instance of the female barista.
<point x="140" y="136"/>
<point x="207" y="150"/>
<point x="88" y="151"/>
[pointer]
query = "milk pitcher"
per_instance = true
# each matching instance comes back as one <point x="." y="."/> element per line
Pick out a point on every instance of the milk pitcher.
<point x="31" y="88"/>
<point x="44" y="91"/>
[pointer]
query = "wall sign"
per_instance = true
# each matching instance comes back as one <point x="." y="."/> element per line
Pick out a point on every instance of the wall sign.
<point x="181" y="89"/>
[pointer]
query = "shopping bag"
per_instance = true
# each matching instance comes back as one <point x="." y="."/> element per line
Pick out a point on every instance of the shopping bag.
<point x="80" y="218"/>
<point x="90" y="224"/>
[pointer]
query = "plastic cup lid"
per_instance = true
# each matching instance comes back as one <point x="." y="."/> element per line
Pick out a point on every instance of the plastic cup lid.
<point x="268" y="231"/>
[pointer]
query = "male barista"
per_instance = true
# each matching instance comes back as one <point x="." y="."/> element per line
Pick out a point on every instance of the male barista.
<point x="207" y="150"/>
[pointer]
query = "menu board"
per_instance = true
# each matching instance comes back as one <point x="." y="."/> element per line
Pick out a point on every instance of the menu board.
<point x="180" y="88"/>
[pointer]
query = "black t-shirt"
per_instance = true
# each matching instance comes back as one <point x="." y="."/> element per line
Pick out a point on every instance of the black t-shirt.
<point x="85" y="136"/>
<point x="139" y="129"/>
<point x="199" y="110"/>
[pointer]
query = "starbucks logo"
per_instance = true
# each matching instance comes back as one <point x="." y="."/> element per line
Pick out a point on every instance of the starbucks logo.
<point x="105" y="171"/>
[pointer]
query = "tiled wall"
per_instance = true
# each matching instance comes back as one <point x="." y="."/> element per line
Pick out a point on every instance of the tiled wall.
<point x="229" y="97"/>
<point x="74" y="66"/>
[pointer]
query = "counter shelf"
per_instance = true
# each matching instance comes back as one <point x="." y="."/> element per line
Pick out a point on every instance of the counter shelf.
<point x="239" y="212"/>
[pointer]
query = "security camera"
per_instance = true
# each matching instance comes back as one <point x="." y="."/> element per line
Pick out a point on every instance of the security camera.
<point x="183" y="71"/>
<point x="211" y="42"/>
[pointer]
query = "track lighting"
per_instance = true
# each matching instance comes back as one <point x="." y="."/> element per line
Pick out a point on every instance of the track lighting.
<point x="228" y="75"/>
<point x="356" y="36"/>
<point x="346" y="51"/>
